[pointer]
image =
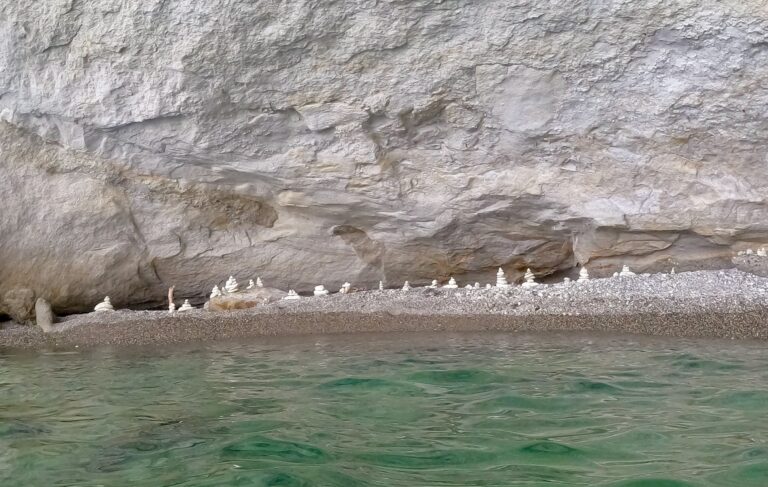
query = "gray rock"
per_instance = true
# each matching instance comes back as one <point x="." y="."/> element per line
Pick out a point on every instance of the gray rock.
<point x="154" y="143"/>
<point x="19" y="304"/>
<point x="246" y="299"/>
<point x="44" y="315"/>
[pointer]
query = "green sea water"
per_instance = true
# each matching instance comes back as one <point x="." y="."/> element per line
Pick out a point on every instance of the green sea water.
<point x="403" y="410"/>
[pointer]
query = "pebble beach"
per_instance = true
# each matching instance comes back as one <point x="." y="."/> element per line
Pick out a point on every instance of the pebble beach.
<point x="715" y="304"/>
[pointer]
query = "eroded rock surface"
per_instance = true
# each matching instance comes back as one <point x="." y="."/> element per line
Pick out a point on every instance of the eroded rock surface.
<point x="167" y="142"/>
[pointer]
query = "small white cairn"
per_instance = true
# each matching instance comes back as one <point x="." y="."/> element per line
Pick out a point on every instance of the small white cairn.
<point x="105" y="305"/>
<point x="215" y="292"/>
<point x="761" y="252"/>
<point x="291" y="296"/>
<point x="186" y="306"/>
<point x="434" y="284"/>
<point x="501" y="279"/>
<point x="381" y="285"/>
<point x="625" y="272"/>
<point x="231" y="285"/>
<point x="406" y="286"/>
<point x="451" y="284"/>
<point x="259" y="282"/>
<point x="320" y="291"/>
<point x="345" y="288"/>
<point x="251" y="284"/>
<point x="583" y="275"/>
<point x="749" y="252"/>
<point x="530" y="279"/>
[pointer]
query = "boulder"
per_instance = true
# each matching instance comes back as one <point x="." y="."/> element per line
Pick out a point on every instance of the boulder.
<point x="44" y="315"/>
<point x="19" y="304"/>
<point x="246" y="299"/>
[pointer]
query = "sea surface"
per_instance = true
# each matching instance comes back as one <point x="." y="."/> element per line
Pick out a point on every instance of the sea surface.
<point x="394" y="410"/>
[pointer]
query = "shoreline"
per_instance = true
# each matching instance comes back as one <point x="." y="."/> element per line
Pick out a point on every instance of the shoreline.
<point x="704" y="304"/>
<point x="749" y="325"/>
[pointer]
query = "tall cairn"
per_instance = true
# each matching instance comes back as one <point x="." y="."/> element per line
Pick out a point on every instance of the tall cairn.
<point x="501" y="279"/>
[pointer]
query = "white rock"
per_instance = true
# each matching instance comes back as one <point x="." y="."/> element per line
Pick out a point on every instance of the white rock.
<point x="259" y="282"/>
<point x="186" y="306"/>
<point x="451" y="284"/>
<point x="345" y="288"/>
<point x="292" y="295"/>
<point x="530" y="279"/>
<point x="105" y="305"/>
<point x="381" y="285"/>
<point x="501" y="279"/>
<point x="761" y="252"/>
<point x="171" y="307"/>
<point x="625" y="272"/>
<point x="434" y="284"/>
<point x="215" y="292"/>
<point x="406" y="286"/>
<point x="583" y="275"/>
<point x="468" y="286"/>
<point x="567" y="280"/>
<point x="477" y="285"/>
<point x="488" y="286"/>
<point x="750" y="252"/>
<point x="320" y="291"/>
<point x="231" y="285"/>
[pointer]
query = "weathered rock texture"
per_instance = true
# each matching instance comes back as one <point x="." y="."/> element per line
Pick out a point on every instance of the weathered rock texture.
<point x="163" y="142"/>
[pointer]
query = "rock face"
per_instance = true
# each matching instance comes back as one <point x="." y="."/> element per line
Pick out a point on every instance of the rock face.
<point x="19" y="304"/>
<point x="157" y="143"/>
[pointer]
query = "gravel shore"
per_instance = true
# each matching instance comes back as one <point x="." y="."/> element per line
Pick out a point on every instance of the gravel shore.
<point x="716" y="304"/>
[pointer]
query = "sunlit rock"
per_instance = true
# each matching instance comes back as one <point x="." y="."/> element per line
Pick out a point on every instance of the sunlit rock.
<point x="451" y="284"/>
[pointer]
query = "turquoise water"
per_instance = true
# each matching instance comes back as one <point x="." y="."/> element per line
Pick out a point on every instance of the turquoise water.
<point x="409" y="410"/>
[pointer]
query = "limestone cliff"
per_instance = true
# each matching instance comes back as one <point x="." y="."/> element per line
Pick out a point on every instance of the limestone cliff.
<point x="156" y="142"/>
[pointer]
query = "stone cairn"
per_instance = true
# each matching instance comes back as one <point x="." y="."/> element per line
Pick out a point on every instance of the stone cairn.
<point x="381" y="285"/>
<point x="434" y="284"/>
<point x="251" y="285"/>
<point x="583" y="275"/>
<point x="451" y="284"/>
<point x="501" y="279"/>
<point x="259" y="282"/>
<point x="345" y="288"/>
<point x="530" y="279"/>
<point x="320" y="291"/>
<point x="105" y="305"/>
<point x="186" y="306"/>
<point x="215" y="292"/>
<point x="231" y="285"/>
<point x="406" y="286"/>
<point x="291" y="296"/>
<point x="625" y="272"/>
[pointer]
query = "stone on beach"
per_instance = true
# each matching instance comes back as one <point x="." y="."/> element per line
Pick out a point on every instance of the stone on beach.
<point x="246" y="299"/>
<point x="44" y="315"/>
<point x="625" y="272"/>
<point x="231" y="285"/>
<point x="345" y="288"/>
<point x="451" y="284"/>
<point x="406" y="286"/>
<point x="105" y="305"/>
<point x="583" y="275"/>
<point x="186" y="306"/>
<point x="434" y="284"/>
<point x="530" y="279"/>
<point x="381" y="285"/>
<point x="320" y="291"/>
<point x="501" y="279"/>
<point x="215" y="292"/>
<point x="291" y="296"/>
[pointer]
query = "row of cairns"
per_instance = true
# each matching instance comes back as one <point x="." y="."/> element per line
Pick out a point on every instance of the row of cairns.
<point x="761" y="252"/>
<point x="231" y="287"/>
